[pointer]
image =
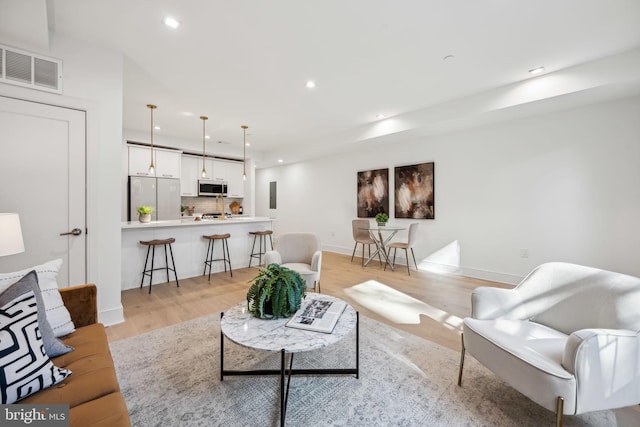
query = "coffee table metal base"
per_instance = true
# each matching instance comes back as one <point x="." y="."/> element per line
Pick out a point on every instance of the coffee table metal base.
<point x="286" y="373"/>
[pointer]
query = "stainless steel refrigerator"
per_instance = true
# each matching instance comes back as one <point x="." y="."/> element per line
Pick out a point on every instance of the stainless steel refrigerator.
<point x="163" y="194"/>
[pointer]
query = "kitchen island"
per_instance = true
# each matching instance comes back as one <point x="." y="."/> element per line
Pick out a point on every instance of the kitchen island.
<point x="189" y="249"/>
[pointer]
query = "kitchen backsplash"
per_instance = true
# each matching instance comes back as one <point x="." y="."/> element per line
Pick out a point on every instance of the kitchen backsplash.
<point x="208" y="204"/>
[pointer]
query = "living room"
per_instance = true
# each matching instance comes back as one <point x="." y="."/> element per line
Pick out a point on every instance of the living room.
<point x="530" y="171"/>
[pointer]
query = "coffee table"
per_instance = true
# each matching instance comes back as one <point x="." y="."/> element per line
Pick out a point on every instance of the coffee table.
<point x="239" y="326"/>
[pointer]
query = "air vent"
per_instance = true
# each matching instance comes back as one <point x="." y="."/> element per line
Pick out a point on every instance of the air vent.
<point x="22" y="68"/>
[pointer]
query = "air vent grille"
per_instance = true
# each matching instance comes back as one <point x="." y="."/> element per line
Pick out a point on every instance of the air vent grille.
<point x="23" y="68"/>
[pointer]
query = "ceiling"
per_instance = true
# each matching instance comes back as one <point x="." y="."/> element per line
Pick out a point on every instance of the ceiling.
<point x="247" y="61"/>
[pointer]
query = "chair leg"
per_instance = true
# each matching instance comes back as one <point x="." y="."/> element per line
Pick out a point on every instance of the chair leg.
<point x="354" y="251"/>
<point x="461" y="361"/>
<point x="153" y="257"/>
<point x="559" y="410"/>
<point x="225" y="243"/>
<point x="173" y="262"/>
<point x="212" y="243"/>
<point x="362" y="260"/>
<point x="414" y="259"/>
<point x="206" y="258"/>
<point x="144" y="272"/>
<point x="166" y="262"/>
<point x="406" y="255"/>
<point x="253" y="248"/>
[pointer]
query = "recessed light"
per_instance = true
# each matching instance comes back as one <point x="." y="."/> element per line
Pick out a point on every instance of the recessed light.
<point x="247" y="144"/>
<point x="380" y="116"/>
<point x="536" y="70"/>
<point x="187" y="114"/>
<point x="156" y="127"/>
<point x="171" y="22"/>
<point x="280" y="160"/>
<point x="207" y="137"/>
<point x="310" y="84"/>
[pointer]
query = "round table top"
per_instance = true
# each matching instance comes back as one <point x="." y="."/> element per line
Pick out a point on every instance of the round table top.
<point x="241" y="327"/>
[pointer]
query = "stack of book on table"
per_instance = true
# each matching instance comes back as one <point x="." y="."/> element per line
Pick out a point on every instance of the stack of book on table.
<point x="317" y="315"/>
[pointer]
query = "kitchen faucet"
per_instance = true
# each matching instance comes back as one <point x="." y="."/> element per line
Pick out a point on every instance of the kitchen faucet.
<point x="223" y="215"/>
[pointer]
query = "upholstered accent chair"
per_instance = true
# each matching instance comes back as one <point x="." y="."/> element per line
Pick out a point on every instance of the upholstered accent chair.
<point x="412" y="237"/>
<point x="567" y="337"/>
<point x="359" y="229"/>
<point x="300" y="252"/>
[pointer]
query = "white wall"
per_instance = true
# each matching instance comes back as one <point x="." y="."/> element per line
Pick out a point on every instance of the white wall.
<point x="564" y="186"/>
<point x="92" y="79"/>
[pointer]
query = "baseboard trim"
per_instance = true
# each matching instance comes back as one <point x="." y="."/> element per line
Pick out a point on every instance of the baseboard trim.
<point x="493" y="276"/>
<point x="112" y="316"/>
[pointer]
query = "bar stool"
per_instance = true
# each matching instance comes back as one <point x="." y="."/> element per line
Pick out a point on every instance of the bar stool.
<point x="152" y="244"/>
<point x="262" y="246"/>
<point x="208" y="260"/>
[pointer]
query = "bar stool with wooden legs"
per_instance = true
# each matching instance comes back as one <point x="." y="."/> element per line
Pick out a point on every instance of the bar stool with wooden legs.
<point x="152" y="244"/>
<point x="262" y="245"/>
<point x="226" y="259"/>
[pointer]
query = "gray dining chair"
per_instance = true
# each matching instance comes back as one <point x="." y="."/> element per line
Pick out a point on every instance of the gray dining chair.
<point x="361" y="235"/>
<point x="411" y="240"/>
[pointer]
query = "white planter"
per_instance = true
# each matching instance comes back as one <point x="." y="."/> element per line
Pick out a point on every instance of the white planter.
<point x="144" y="218"/>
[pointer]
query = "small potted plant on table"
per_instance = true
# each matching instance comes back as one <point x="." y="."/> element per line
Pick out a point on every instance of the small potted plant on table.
<point x="144" y="213"/>
<point x="275" y="292"/>
<point x="381" y="219"/>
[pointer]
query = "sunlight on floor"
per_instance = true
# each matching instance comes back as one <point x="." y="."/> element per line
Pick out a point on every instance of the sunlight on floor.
<point x="444" y="260"/>
<point x="398" y="307"/>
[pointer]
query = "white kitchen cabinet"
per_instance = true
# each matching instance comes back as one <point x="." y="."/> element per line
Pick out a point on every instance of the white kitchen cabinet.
<point x="139" y="161"/>
<point x="219" y="170"/>
<point x="189" y="174"/>
<point x="234" y="179"/>
<point x="167" y="163"/>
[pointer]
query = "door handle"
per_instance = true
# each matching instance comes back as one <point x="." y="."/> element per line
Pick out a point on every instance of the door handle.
<point x="75" y="232"/>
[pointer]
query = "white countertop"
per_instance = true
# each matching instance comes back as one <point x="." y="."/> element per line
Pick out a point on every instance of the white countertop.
<point x="190" y="221"/>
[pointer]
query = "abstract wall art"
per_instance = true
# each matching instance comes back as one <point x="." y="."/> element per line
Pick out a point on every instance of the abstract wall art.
<point x="373" y="192"/>
<point x="414" y="191"/>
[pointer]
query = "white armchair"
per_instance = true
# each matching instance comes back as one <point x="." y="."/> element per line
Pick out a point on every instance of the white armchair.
<point x="300" y="252"/>
<point x="567" y="337"/>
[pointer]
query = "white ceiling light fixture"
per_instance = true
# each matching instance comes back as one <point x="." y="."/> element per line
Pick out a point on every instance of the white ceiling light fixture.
<point x="310" y="84"/>
<point x="204" y="170"/>
<point x="380" y="116"/>
<point x="244" y="152"/>
<point x="538" y="70"/>
<point x="280" y="161"/>
<point x="157" y="128"/>
<point x="171" y="22"/>
<point x="187" y="113"/>
<point x="152" y="167"/>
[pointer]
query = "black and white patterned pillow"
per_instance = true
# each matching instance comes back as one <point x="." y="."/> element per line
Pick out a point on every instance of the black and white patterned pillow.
<point x="25" y="367"/>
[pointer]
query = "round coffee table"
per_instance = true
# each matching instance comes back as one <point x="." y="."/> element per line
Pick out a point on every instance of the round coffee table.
<point x="239" y="326"/>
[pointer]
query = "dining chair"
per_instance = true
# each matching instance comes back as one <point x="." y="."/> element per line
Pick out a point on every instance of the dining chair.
<point x="411" y="240"/>
<point x="360" y="230"/>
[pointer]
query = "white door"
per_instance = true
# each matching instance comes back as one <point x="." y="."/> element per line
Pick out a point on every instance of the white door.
<point x="42" y="178"/>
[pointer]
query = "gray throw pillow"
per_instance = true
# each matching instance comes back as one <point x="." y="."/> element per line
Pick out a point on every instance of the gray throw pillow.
<point x="52" y="345"/>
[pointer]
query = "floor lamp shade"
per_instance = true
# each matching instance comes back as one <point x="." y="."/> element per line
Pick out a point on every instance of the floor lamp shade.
<point x="10" y="234"/>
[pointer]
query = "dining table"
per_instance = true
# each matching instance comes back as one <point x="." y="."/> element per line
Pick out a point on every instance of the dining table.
<point x="381" y="235"/>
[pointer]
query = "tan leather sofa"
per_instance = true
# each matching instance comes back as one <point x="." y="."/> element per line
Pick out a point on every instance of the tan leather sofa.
<point x="92" y="391"/>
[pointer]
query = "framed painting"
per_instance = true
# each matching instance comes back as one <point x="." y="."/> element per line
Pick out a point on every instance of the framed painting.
<point x="373" y="192"/>
<point x="414" y="191"/>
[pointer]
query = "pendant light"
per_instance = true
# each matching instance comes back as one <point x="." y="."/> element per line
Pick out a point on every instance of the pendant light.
<point x="152" y="168"/>
<point x="204" y="170"/>
<point x="244" y="152"/>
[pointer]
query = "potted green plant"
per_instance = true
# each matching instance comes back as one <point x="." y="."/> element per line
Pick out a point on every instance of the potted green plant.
<point x="275" y="292"/>
<point x="144" y="213"/>
<point x="381" y="219"/>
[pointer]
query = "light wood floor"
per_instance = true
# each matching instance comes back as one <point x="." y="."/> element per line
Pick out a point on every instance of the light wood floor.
<point x="437" y="301"/>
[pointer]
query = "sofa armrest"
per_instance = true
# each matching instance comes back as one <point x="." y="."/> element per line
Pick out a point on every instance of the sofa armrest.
<point x="316" y="261"/>
<point x="606" y="365"/>
<point x="82" y="303"/>
<point x="491" y="303"/>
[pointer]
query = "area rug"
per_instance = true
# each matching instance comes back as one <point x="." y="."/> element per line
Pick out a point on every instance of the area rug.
<point x="171" y="377"/>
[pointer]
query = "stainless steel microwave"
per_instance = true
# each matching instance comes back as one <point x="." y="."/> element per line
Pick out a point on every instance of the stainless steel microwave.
<point x="207" y="187"/>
